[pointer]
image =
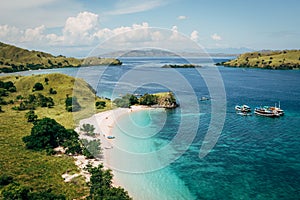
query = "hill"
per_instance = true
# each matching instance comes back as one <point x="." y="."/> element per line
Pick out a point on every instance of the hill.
<point x="13" y="59"/>
<point x="287" y="59"/>
<point x="33" y="169"/>
<point x="162" y="53"/>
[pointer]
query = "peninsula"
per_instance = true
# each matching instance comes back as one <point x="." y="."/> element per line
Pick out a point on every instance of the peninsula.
<point x="287" y="59"/>
<point x="14" y="59"/>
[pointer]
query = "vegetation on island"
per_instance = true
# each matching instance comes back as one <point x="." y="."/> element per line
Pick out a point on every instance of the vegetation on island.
<point x="13" y="59"/>
<point x="287" y="59"/>
<point x="28" y="136"/>
<point x="181" y="66"/>
<point x="159" y="100"/>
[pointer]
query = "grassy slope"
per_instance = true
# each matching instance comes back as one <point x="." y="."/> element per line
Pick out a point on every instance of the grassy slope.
<point x="17" y="59"/>
<point x="36" y="169"/>
<point x="289" y="59"/>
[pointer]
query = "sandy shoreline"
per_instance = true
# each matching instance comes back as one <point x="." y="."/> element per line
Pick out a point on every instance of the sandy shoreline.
<point x="103" y="123"/>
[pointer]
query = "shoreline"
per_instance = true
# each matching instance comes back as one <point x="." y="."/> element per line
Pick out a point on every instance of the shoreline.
<point x="104" y="122"/>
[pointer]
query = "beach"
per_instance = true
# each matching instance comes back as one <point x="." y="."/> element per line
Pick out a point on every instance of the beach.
<point x="104" y="122"/>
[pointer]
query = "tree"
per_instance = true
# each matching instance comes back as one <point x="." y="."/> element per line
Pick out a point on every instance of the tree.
<point x="101" y="185"/>
<point x="38" y="86"/>
<point x="91" y="148"/>
<point x="31" y="116"/>
<point x="148" y="99"/>
<point x="100" y="104"/>
<point x="133" y="100"/>
<point x="126" y="101"/>
<point x="5" y="180"/>
<point x="46" y="80"/>
<point x="15" y="191"/>
<point x="72" y="104"/>
<point x="46" y="133"/>
<point x="52" y="91"/>
<point x="72" y="144"/>
<point x="88" y="129"/>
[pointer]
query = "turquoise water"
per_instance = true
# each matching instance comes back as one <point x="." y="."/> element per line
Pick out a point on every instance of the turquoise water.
<point x="254" y="157"/>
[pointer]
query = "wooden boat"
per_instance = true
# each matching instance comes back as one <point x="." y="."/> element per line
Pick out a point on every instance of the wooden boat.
<point x="277" y="109"/>
<point x="266" y="112"/>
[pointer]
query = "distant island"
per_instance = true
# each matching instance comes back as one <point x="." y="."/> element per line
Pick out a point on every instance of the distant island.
<point x="287" y="59"/>
<point x="181" y="66"/>
<point x="14" y="59"/>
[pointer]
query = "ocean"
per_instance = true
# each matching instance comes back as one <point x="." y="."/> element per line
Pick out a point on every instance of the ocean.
<point x="203" y="149"/>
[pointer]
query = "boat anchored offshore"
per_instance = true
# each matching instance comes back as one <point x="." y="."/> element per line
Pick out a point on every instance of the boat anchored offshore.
<point x="243" y="108"/>
<point x="277" y="109"/>
<point x="266" y="111"/>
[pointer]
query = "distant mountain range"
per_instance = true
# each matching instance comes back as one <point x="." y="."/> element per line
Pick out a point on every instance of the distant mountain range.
<point x="163" y="53"/>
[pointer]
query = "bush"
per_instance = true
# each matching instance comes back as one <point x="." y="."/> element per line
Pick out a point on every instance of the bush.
<point x="88" y="129"/>
<point x="72" y="104"/>
<point x="31" y="116"/>
<point x="91" y="148"/>
<point x="126" y="101"/>
<point x="15" y="191"/>
<point x="148" y="99"/>
<point x="101" y="185"/>
<point x="46" y="81"/>
<point x="5" y="180"/>
<point x="100" y="104"/>
<point x="52" y="91"/>
<point x="38" y="86"/>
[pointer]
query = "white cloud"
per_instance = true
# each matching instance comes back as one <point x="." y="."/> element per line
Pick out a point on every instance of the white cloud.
<point x="216" y="37"/>
<point x="34" y="34"/>
<point x="194" y="36"/>
<point x="9" y="33"/>
<point x="84" y="32"/>
<point x="182" y="17"/>
<point x="133" y="6"/>
<point x="80" y="28"/>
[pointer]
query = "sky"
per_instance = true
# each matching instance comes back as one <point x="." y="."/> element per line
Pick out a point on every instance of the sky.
<point x="76" y="27"/>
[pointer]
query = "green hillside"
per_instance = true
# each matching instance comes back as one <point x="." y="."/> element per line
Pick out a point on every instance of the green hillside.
<point x="38" y="170"/>
<point x="14" y="59"/>
<point x="287" y="59"/>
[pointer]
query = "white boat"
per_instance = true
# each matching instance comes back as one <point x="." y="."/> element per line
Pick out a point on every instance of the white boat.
<point x="265" y="111"/>
<point x="244" y="113"/>
<point x="243" y="108"/>
<point x="277" y="109"/>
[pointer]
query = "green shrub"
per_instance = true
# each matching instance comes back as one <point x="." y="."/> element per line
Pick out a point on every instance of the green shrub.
<point x="37" y="87"/>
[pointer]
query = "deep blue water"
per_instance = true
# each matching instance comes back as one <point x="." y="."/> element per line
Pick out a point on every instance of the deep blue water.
<point x="254" y="157"/>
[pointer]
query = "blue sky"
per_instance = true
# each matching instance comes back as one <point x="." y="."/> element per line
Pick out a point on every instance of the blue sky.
<point x="75" y="27"/>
